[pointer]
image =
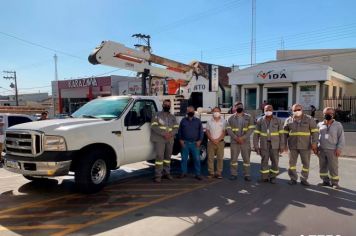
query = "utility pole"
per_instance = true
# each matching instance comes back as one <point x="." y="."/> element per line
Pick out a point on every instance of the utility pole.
<point x="55" y="67"/>
<point x="147" y="47"/>
<point x="253" y="34"/>
<point x="12" y="85"/>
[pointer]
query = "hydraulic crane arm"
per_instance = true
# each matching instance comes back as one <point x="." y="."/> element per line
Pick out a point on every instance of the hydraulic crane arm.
<point x="117" y="55"/>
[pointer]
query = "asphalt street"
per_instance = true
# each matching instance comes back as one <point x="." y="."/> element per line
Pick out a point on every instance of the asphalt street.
<point x="133" y="205"/>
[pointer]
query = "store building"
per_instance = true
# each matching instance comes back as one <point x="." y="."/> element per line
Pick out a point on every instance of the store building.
<point x="284" y="83"/>
<point x="69" y="95"/>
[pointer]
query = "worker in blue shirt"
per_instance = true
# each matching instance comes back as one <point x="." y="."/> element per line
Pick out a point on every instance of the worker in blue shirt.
<point x="190" y="136"/>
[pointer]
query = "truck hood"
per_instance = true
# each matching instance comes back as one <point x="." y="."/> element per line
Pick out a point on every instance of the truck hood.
<point x="57" y="125"/>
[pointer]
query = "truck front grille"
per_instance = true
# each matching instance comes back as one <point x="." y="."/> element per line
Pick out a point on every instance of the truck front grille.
<point x="23" y="143"/>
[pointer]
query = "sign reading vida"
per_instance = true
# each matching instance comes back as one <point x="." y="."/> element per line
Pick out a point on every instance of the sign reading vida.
<point x="272" y="75"/>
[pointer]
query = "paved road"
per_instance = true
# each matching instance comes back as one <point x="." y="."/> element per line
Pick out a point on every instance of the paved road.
<point x="132" y="205"/>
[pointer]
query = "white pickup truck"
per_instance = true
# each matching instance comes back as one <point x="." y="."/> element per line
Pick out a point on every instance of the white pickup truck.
<point x="103" y="135"/>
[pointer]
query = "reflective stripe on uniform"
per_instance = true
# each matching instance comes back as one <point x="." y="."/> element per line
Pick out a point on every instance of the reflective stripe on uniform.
<point x="159" y="163"/>
<point x="257" y="131"/>
<point x="305" y="169"/>
<point x="245" y="129"/>
<point x="234" y="164"/>
<point x="314" y="130"/>
<point x="175" y="126"/>
<point x="299" y="133"/>
<point x="154" y="123"/>
<point x="228" y="127"/>
<point x="167" y="161"/>
<point x="170" y="129"/>
<point x="266" y="134"/>
<point x="274" y="171"/>
<point x="324" y="174"/>
<point x="283" y="132"/>
<point x="235" y="129"/>
<point x="163" y="127"/>
<point x="335" y="177"/>
<point x="293" y="168"/>
<point x="264" y="171"/>
<point x="245" y="164"/>
<point x="251" y="126"/>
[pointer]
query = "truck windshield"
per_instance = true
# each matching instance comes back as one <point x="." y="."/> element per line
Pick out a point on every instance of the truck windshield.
<point x="103" y="108"/>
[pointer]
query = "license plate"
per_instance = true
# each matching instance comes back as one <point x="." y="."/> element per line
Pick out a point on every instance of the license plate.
<point x="12" y="164"/>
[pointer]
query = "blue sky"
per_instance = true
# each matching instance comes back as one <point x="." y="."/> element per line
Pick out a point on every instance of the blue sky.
<point x="218" y="31"/>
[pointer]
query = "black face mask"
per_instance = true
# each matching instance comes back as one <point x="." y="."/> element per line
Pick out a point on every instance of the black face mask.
<point x="239" y="110"/>
<point x="190" y="114"/>
<point x="328" y="117"/>
<point x="166" y="108"/>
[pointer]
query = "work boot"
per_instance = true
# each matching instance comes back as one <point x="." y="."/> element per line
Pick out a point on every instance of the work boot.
<point x="335" y="186"/>
<point x="262" y="180"/>
<point x="211" y="176"/>
<point x="198" y="177"/>
<point x="247" y="179"/>
<point x="272" y="180"/>
<point x="292" y="182"/>
<point x="218" y="176"/>
<point x="325" y="183"/>
<point x="168" y="176"/>
<point x="233" y="177"/>
<point x="157" y="180"/>
<point x="305" y="182"/>
<point x="182" y="176"/>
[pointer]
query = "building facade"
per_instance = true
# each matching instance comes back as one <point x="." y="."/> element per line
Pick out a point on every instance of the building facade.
<point x="284" y="83"/>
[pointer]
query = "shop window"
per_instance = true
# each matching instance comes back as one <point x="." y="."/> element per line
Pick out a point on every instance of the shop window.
<point x="340" y="92"/>
<point x="334" y="91"/>
<point x="308" y="96"/>
<point x="326" y="91"/>
<point x="250" y="98"/>
<point x="278" y="98"/>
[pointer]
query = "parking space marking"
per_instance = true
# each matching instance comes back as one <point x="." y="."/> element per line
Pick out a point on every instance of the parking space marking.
<point x="35" y="227"/>
<point x="134" y="194"/>
<point x="126" y="211"/>
<point x="31" y="204"/>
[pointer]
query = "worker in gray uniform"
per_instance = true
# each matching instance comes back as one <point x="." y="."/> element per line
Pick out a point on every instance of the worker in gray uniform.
<point x="240" y="127"/>
<point x="302" y="135"/>
<point x="331" y="143"/>
<point x="164" y="127"/>
<point x="268" y="141"/>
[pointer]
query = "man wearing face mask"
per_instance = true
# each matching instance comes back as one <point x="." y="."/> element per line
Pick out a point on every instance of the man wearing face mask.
<point x="302" y="135"/>
<point x="164" y="127"/>
<point x="268" y="141"/>
<point x="215" y="130"/>
<point x="240" y="127"/>
<point x="331" y="143"/>
<point x="190" y="136"/>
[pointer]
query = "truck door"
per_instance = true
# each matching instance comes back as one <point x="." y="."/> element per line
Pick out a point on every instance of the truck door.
<point x="137" y="130"/>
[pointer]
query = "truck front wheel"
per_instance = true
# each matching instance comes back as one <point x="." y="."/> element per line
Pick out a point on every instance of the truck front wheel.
<point x="92" y="172"/>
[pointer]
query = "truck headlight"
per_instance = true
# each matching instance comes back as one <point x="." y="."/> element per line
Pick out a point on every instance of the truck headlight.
<point x="54" y="143"/>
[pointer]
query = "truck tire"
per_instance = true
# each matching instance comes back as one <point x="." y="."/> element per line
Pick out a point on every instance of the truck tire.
<point x="92" y="172"/>
<point x="34" y="179"/>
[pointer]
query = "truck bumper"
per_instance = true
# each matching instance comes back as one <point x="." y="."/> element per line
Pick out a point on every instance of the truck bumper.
<point x="44" y="165"/>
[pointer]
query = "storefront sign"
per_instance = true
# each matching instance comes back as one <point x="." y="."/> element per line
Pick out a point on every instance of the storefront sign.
<point x="214" y="83"/>
<point x="272" y="75"/>
<point x="85" y="82"/>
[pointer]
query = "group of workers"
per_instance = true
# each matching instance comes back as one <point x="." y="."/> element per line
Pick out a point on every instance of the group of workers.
<point x="299" y="133"/>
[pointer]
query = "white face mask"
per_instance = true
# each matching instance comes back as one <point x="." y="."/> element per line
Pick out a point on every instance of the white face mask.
<point x="268" y="113"/>
<point x="216" y="114"/>
<point x="297" y="113"/>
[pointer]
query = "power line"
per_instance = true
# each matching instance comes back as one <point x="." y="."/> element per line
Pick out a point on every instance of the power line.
<point x="198" y="16"/>
<point x="41" y="46"/>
